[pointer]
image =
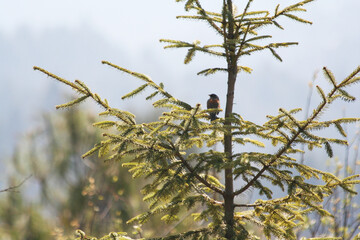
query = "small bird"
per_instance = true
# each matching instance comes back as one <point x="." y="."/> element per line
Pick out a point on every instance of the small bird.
<point x="213" y="102"/>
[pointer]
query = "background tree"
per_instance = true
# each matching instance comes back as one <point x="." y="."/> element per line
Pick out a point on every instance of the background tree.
<point x="65" y="192"/>
<point x="181" y="181"/>
<point x="345" y="219"/>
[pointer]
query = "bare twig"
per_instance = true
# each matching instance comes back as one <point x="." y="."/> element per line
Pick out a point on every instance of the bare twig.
<point x="307" y="109"/>
<point x="13" y="188"/>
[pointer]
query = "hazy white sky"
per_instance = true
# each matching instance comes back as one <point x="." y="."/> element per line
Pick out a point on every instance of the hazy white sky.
<point x="145" y="21"/>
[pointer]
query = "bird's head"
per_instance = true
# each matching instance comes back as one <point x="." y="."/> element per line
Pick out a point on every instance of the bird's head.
<point x="213" y="96"/>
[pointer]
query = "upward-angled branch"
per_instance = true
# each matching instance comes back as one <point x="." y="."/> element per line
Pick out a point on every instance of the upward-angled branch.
<point x="283" y="150"/>
<point x="208" y="19"/>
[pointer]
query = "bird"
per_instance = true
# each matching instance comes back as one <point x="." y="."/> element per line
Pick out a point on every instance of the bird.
<point x="213" y="102"/>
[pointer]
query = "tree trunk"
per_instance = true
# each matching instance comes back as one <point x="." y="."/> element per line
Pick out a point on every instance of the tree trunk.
<point x="229" y="183"/>
<point x="232" y="73"/>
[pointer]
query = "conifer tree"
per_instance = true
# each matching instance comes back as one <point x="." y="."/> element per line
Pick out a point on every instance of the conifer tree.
<point x="182" y="181"/>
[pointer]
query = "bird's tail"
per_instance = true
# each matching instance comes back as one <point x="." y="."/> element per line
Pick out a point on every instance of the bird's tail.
<point x="213" y="116"/>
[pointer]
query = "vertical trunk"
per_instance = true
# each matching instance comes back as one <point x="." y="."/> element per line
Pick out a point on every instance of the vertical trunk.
<point x="229" y="183"/>
<point x="232" y="73"/>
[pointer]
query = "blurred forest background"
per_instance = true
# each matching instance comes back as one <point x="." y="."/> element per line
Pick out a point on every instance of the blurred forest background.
<point x="70" y="38"/>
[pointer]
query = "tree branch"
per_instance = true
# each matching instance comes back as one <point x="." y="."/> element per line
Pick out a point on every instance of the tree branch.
<point x="12" y="188"/>
<point x="248" y="205"/>
<point x="208" y="19"/>
<point x="197" y="176"/>
<point x="185" y="163"/>
<point x="290" y="142"/>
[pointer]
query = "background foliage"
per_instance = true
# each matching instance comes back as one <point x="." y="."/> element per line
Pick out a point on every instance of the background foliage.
<point x="65" y="192"/>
